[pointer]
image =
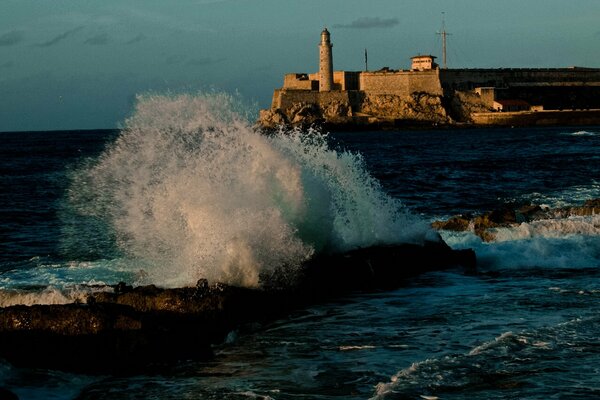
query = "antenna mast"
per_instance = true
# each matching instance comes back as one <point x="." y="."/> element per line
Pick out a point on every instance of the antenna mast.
<point x="444" y="34"/>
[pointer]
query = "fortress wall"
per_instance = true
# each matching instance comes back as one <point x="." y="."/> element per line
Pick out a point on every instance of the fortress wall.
<point x="467" y="79"/>
<point x="400" y="83"/>
<point x="425" y="81"/>
<point x="284" y="99"/>
<point x="297" y="81"/>
<point x="396" y="83"/>
<point x="346" y="80"/>
<point x="276" y="102"/>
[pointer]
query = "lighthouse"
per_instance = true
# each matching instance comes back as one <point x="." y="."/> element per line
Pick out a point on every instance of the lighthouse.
<point x="325" y="63"/>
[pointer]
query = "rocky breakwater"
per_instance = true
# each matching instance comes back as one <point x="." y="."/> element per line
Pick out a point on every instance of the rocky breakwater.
<point x="486" y="225"/>
<point x="359" y="110"/>
<point x="127" y="329"/>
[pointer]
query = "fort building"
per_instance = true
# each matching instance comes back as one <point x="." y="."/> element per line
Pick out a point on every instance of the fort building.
<point x="420" y="63"/>
<point x="426" y="93"/>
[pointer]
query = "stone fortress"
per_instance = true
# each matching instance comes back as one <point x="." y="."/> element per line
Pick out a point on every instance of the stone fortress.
<point x="430" y="95"/>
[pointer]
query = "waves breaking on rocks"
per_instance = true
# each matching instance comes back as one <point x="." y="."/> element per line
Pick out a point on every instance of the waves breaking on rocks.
<point x="193" y="190"/>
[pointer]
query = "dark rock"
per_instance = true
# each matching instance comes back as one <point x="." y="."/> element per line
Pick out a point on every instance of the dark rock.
<point x="594" y="203"/>
<point x="6" y="394"/>
<point x="122" y="287"/>
<point x="529" y="213"/>
<point x="458" y="223"/>
<point x="590" y="207"/>
<point x="132" y="329"/>
<point x="503" y="216"/>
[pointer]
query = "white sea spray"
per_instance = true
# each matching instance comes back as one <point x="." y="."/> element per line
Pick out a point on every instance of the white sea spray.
<point x="191" y="188"/>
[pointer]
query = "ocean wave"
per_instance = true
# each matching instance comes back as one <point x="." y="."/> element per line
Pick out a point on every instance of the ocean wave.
<point x="550" y="228"/>
<point x="582" y="133"/>
<point x="495" y="364"/>
<point x="572" y="196"/>
<point x="572" y="242"/>
<point x="49" y="295"/>
<point x="193" y="190"/>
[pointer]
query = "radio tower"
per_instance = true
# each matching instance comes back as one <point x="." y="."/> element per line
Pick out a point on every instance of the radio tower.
<point x="443" y="34"/>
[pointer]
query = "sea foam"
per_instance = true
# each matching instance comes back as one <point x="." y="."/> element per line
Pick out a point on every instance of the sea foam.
<point x="572" y="242"/>
<point x="195" y="191"/>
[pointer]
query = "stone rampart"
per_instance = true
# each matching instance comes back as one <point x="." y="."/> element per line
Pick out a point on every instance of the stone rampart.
<point x="298" y="82"/>
<point x="468" y="79"/>
<point x="285" y="99"/>
<point x="400" y="83"/>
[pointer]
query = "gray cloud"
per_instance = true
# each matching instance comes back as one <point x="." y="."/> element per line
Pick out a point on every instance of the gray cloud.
<point x="369" y="23"/>
<point x="60" y="37"/>
<point x="98" y="40"/>
<point x="11" y="38"/>
<point x="136" y="39"/>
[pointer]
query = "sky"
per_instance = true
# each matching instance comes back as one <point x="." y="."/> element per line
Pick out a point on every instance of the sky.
<point x="79" y="64"/>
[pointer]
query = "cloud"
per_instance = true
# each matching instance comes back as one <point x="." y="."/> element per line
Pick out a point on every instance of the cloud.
<point x="60" y="37"/>
<point x="98" y="40"/>
<point x="11" y="38"/>
<point x="136" y="39"/>
<point x="369" y="23"/>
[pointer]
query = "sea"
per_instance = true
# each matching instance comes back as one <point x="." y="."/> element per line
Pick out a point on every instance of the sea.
<point x="188" y="188"/>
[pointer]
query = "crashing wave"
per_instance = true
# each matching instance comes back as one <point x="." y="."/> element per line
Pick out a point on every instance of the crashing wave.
<point x="194" y="191"/>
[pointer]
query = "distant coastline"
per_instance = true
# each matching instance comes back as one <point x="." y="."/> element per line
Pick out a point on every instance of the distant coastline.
<point x="427" y="95"/>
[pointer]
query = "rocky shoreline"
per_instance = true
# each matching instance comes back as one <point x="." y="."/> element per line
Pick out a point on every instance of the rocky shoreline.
<point x="128" y="329"/>
<point x="360" y="111"/>
<point x="484" y="225"/>
<point x="364" y="112"/>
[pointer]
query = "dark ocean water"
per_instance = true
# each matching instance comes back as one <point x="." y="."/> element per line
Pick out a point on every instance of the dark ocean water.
<point x="527" y="326"/>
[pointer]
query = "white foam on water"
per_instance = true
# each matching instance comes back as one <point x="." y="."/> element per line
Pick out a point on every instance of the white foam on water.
<point x="350" y="348"/>
<point x="43" y="281"/>
<point x="550" y="228"/>
<point x="572" y="242"/>
<point x="48" y="295"/>
<point x="192" y="190"/>
<point x="581" y="133"/>
<point x="572" y="196"/>
<point x="454" y="372"/>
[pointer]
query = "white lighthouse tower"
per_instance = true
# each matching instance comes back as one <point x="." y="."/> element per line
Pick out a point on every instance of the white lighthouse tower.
<point x="325" y="63"/>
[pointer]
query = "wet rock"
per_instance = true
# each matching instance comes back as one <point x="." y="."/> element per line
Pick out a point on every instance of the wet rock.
<point x="458" y="223"/>
<point x="483" y="225"/>
<point x="6" y="394"/>
<point x="529" y="213"/>
<point x="590" y="207"/>
<point x="132" y="329"/>
<point x="122" y="287"/>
